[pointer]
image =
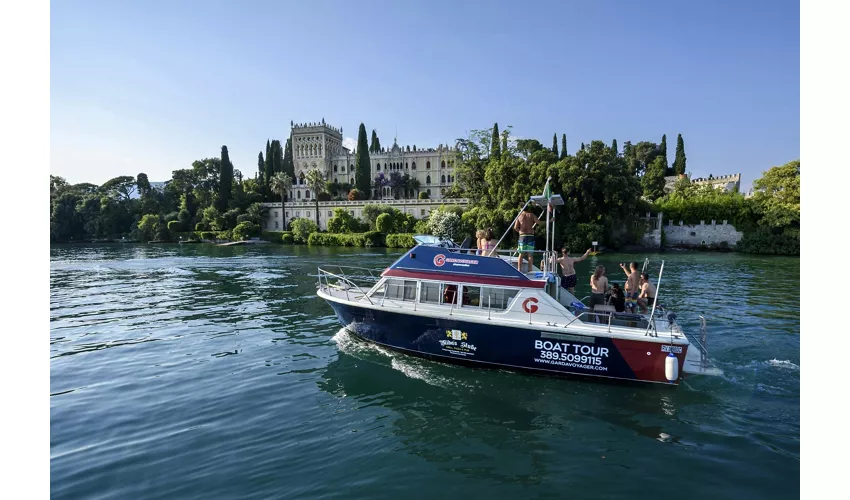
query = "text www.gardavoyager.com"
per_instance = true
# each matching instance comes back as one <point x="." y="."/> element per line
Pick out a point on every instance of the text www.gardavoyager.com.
<point x="571" y="365"/>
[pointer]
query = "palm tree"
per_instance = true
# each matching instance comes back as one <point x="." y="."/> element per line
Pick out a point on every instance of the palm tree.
<point x="316" y="181"/>
<point x="281" y="183"/>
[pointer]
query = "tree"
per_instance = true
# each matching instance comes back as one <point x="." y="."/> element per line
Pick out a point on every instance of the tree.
<point x="122" y="186"/>
<point x="277" y="159"/>
<point x="375" y="147"/>
<point x="261" y="169"/>
<point x="777" y="196"/>
<point x="563" y="147"/>
<point x="495" y="150"/>
<point x="363" y="168"/>
<point x="662" y="151"/>
<point x="384" y="223"/>
<point x="142" y="184"/>
<point x="316" y="181"/>
<point x="148" y="226"/>
<point x="281" y="184"/>
<point x="680" y="163"/>
<point x="225" y="186"/>
<point x="555" y="144"/>
<point x="288" y="164"/>
<point x="653" y="179"/>
<point x="302" y="228"/>
<point x="614" y="147"/>
<point x="396" y="183"/>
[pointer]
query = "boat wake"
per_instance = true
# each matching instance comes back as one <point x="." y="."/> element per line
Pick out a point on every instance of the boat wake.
<point x="409" y="366"/>
<point x="784" y="364"/>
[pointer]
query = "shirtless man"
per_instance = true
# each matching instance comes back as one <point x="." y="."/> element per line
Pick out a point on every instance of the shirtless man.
<point x="647" y="293"/>
<point x="568" y="266"/>
<point x="632" y="284"/>
<point x="524" y="225"/>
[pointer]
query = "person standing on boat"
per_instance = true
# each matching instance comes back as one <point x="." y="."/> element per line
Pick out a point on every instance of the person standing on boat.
<point x="632" y="284"/>
<point x="598" y="287"/>
<point x="647" y="293"/>
<point x="488" y="242"/>
<point x="568" y="266"/>
<point x="479" y="241"/>
<point x="524" y="225"/>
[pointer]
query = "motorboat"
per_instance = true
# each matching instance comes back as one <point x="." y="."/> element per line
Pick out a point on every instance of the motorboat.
<point x="444" y="302"/>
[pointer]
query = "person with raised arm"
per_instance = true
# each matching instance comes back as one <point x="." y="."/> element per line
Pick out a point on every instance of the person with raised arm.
<point x="568" y="266"/>
<point x="632" y="284"/>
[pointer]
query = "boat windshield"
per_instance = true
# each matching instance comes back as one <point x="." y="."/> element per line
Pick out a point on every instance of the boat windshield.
<point x="429" y="240"/>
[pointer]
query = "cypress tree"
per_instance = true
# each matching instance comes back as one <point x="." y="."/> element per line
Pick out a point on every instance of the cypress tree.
<point x="614" y="147"/>
<point x="563" y="146"/>
<point x="495" y="150"/>
<point x="582" y="146"/>
<point x="663" y="153"/>
<point x="269" y="173"/>
<point x="555" y="144"/>
<point x="225" y="181"/>
<point x="363" y="169"/>
<point x="505" y="143"/>
<point x="374" y="142"/>
<point x="261" y="173"/>
<point x="679" y="162"/>
<point x="288" y="165"/>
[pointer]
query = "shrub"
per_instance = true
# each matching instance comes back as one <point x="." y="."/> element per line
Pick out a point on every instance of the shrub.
<point x="230" y="218"/>
<point x="224" y="235"/>
<point x="368" y="239"/>
<point x="343" y="222"/>
<point x="423" y="195"/>
<point x="302" y="228"/>
<point x="400" y="240"/>
<point x="205" y="235"/>
<point x="422" y="227"/>
<point x="202" y="226"/>
<point x="184" y="216"/>
<point x="445" y="225"/>
<point x="771" y="242"/>
<point x="245" y="230"/>
<point x="384" y="223"/>
<point x="175" y="226"/>
<point x="324" y="196"/>
<point x="355" y="195"/>
<point x="287" y="238"/>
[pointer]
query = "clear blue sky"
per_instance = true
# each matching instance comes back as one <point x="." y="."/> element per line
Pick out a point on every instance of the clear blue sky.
<point x="151" y="86"/>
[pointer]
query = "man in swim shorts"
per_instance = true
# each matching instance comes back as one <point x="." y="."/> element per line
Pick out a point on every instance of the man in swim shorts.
<point x="568" y="266"/>
<point x="524" y="225"/>
<point x="632" y="285"/>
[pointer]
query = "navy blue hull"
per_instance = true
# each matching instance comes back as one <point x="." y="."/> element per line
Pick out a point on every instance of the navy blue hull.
<point x="495" y="346"/>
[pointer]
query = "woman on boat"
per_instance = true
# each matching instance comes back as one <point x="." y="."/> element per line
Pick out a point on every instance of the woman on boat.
<point x="616" y="298"/>
<point x="490" y="242"/>
<point x="598" y="286"/>
<point x="479" y="242"/>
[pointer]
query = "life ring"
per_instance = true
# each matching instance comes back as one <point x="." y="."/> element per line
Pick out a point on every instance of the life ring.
<point x="529" y="305"/>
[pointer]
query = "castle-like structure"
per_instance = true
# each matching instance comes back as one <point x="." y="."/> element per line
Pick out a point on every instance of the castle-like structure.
<point x="319" y="146"/>
<point x="731" y="182"/>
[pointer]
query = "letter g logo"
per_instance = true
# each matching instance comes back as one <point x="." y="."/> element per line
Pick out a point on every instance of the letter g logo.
<point x="529" y="305"/>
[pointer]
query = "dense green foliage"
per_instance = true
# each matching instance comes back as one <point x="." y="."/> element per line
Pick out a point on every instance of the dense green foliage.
<point x="400" y="240"/>
<point x="368" y="239"/>
<point x="495" y="147"/>
<point x="302" y="228"/>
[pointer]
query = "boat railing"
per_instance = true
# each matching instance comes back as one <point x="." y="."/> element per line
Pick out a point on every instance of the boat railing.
<point x="349" y="278"/>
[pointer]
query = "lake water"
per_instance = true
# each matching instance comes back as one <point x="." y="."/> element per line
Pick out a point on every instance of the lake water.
<point x="216" y="372"/>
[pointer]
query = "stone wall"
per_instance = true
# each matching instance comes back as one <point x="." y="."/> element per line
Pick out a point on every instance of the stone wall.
<point x="711" y="235"/>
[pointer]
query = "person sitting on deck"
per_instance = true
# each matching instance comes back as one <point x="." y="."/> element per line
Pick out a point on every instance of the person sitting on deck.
<point x="616" y="298"/>
<point x="524" y="225"/>
<point x="489" y="242"/>
<point x="647" y="293"/>
<point x="479" y="242"/>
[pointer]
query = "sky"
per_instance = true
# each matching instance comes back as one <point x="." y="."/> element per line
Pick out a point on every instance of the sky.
<point x="152" y="86"/>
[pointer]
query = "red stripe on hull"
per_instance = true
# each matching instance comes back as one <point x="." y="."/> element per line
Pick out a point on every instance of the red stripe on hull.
<point x="646" y="359"/>
<point x="478" y="280"/>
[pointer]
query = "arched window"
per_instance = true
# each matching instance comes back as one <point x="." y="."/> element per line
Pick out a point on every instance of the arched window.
<point x="442" y="192"/>
<point x="336" y="180"/>
<point x="379" y="167"/>
<point x="290" y="194"/>
<point x="406" y="166"/>
<point x="427" y="165"/>
<point x="351" y="168"/>
<point x="299" y="195"/>
<point x="336" y="168"/>
<point x="413" y="166"/>
<point x="429" y="193"/>
<point x="443" y="180"/>
<point x="428" y="180"/>
<point x="307" y="194"/>
<point x="443" y="164"/>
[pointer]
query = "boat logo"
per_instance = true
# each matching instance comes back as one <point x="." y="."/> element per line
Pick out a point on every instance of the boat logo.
<point x="439" y="260"/>
<point x="456" y="335"/>
<point x="529" y="305"/>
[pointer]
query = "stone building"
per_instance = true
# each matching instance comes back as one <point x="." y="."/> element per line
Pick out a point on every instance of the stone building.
<point x="319" y="145"/>
<point x="730" y="182"/>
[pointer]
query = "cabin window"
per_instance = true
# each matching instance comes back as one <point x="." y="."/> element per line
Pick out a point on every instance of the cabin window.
<point x="471" y="296"/>
<point x="430" y="293"/>
<point x="497" y="298"/>
<point x="401" y="290"/>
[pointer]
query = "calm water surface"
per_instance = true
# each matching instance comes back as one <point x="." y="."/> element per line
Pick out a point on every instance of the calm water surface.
<point x="216" y="372"/>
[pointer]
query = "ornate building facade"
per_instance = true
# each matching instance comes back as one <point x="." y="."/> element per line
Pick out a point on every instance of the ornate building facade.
<point x="319" y="146"/>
